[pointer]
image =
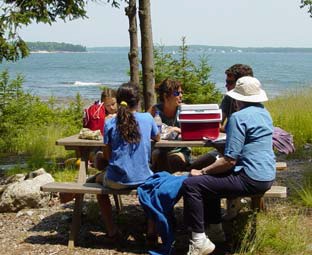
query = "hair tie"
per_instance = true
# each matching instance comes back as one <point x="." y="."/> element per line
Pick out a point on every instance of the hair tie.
<point x="123" y="103"/>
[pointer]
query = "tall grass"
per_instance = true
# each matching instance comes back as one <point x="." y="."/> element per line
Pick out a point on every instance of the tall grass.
<point x="303" y="191"/>
<point x="39" y="144"/>
<point x="277" y="233"/>
<point x="65" y="175"/>
<point x="292" y="112"/>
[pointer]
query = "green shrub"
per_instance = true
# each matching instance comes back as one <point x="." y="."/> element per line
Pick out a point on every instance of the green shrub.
<point x="194" y="78"/>
<point x="30" y="127"/>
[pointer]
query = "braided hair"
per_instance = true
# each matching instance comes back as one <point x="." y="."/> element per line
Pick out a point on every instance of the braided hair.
<point x="128" y="97"/>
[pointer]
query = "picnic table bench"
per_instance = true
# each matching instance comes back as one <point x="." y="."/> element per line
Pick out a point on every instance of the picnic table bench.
<point x="83" y="148"/>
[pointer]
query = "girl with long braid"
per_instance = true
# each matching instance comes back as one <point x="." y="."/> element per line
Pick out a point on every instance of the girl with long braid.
<point x="127" y="137"/>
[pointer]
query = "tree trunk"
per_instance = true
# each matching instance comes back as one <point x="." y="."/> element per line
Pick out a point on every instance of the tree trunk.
<point x="134" y="47"/>
<point x="147" y="53"/>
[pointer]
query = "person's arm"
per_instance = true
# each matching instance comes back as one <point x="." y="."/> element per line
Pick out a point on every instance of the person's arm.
<point x="107" y="152"/>
<point x="156" y="138"/>
<point x="223" y="122"/>
<point x="221" y="165"/>
<point x="225" y="107"/>
<point x="155" y="135"/>
<point x="152" y="110"/>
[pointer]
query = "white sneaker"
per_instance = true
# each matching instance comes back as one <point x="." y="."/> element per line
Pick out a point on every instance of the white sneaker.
<point x="215" y="233"/>
<point x="206" y="247"/>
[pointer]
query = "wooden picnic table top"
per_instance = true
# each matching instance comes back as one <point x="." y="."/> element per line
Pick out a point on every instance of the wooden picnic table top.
<point x="74" y="141"/>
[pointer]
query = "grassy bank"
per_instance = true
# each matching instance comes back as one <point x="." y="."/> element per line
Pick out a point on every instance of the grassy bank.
<point x="292" y="112"/>
<point x="280" y="231"/>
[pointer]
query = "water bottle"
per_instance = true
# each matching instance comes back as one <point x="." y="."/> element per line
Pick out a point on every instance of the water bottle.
<point x="158" y="121"/>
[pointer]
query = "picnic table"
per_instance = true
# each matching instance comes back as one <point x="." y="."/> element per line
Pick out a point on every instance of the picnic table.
<point x="83" y="147"/>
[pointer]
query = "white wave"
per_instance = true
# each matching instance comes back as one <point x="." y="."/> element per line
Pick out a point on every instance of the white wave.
<point x="81" y="83"/>
<point x="42" y="52"/>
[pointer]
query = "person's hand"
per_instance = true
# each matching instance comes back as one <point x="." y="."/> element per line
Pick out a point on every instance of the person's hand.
<point x="175" y="129"/>
<point x="169" y="132"/>
<point x="195" y="172"/>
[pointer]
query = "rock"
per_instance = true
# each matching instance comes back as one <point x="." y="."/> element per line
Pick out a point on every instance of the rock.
<point x="2" y="188"/>
<point x="25" y="194"/>
<point x="15" y="178"/>
<point x="11" y="179"/>
<point x="35" y="173"/>
<point x="19" y="214"/>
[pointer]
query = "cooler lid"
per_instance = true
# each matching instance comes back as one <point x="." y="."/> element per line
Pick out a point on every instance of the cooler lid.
<point x="201" y="111"/>
<point x="200" y="116"/>
<point x="198" y="107"/>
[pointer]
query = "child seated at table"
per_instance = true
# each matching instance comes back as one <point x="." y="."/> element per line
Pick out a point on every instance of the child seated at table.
<point x="127" y="137"/>
<point x="108" y="98"/>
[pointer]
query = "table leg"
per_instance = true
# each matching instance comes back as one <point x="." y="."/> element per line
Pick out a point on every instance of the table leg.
<point x="76" y="218"/>
<point x="76" y="221"/>
<point x="82" y="175"/>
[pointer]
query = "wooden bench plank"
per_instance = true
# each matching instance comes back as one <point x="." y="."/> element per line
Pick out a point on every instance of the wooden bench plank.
<point x="280" y="166"/>
<point x="95" y="188"/>
<point x="277" y="192"/>
<point x="82" y="188"/>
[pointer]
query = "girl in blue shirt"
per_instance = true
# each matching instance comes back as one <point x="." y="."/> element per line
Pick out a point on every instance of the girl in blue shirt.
<point x="127" y="137"/>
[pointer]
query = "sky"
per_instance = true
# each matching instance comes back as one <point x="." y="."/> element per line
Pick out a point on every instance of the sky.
<point x="240" y="23"/>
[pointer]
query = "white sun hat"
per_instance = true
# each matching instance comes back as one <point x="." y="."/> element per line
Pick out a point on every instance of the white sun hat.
<point x="248" y="89"/>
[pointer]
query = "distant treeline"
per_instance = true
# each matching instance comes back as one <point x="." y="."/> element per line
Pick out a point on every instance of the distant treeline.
<point x="54" y="46"/>
<point x="251" y="49"/>
<point x="223" y="49"/>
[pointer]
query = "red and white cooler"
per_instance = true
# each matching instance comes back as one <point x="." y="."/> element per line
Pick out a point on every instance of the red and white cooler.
<point x="199" y="120"/>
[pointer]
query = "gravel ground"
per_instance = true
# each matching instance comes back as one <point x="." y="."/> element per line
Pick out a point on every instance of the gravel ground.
<point x="45" y="230"/>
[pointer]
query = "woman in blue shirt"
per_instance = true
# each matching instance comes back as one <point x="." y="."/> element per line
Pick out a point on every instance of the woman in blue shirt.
<point x="248" y="166"/>
<point x="127" y="137"/>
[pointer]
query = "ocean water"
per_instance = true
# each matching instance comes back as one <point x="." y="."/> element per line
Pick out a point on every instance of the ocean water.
<point x="65" y="74"/>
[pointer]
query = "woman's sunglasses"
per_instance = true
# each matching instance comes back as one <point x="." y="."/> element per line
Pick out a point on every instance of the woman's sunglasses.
<point x="177" y="93"/>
